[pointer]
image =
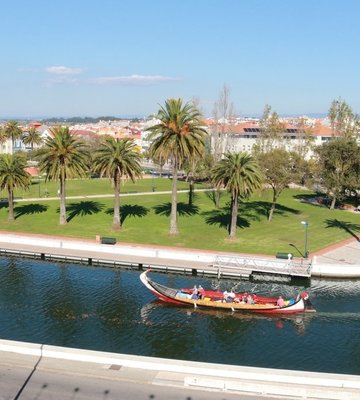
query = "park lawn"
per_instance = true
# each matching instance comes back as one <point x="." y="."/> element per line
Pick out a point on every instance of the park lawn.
<point x="201" y="225"/>
<point x="90" y="187"/>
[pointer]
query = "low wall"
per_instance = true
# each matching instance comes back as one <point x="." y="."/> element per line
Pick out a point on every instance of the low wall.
<point x="331" y="270"/>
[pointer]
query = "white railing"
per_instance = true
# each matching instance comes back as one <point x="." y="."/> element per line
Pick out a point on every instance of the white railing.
<point x="283" y="267"/>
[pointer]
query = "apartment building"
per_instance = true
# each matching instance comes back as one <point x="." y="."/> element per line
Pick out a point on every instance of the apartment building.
<point x="243" y="136"/>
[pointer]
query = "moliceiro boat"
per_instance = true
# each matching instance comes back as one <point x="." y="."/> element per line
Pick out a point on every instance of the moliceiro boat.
<point x="199" y="297"/>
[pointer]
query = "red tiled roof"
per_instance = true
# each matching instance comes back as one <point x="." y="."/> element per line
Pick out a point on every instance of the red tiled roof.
<point x="33" y="171"/>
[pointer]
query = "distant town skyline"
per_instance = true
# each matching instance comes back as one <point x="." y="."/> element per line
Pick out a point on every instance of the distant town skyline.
<point x="124" y="59"/>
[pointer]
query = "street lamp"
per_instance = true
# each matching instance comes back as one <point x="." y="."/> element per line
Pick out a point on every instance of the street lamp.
<point x="306" y="253"/>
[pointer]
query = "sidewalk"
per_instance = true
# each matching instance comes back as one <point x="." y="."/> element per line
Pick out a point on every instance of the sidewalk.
<point x="338" y="261"/>
<point x="88" y="367"/>
<point x="346" y="252"/>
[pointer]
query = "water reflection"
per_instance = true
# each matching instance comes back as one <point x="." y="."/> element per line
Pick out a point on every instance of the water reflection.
<point x="300" y="321"/>
<point x="109" y="310"/>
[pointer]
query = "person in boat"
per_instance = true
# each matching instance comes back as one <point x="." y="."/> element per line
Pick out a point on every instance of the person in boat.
<point x="305" y="296"/>
<point x="250" y="299"/>
<point x="229" y="296"/>
<point x="195" y="293"/>
<point x="201" y="292"/>
<point x="280" y="302"/>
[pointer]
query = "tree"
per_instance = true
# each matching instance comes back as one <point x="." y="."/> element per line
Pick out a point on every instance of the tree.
<point x="240" y="175"/>
<point x="13" y="176"/>
<point x="339" y="167"/>
<point x="223" y="113"/>
<point x="271" y="130"/>
<point x="179" y="136"/>
<point x="3" y="136"/>
<point x="31" y="137"/>
<point x="343" y="121"/>
<point x="198" y="170"/>
<point x="63" y="156"/>
<point x="13" y="131"/>
<point x="117" y="159"/>
<point x="279" y="168"/>
<point x="305" y="142"/>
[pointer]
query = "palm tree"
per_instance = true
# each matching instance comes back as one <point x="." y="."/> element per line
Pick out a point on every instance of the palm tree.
<point x="3" y="136"/>
<point x="32" y="137"/>
<point x="239" y="174"/>
<point x="12" y="176"/>
<point x="179" y="136"/>
<point x="117" y="159"/>
<point x="13" y="131"/>
<point x="63" y="156"/>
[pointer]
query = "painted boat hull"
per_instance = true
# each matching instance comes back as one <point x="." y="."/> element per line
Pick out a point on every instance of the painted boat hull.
<point x="178" y="297"/>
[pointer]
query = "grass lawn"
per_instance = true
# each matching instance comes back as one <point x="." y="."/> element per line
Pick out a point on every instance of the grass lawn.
<point x="86" y="187"/>
<point x="201" y="225"/>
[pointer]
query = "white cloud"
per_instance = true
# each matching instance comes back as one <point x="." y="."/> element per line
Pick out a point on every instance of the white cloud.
<point x="132" y="80"/>
<point x="61" y="70"/>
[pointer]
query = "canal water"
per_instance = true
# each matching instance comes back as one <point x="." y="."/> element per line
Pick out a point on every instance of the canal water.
<point x="110" y="310"/>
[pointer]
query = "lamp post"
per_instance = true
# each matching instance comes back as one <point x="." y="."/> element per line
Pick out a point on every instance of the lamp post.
<point x="306" y="253"/>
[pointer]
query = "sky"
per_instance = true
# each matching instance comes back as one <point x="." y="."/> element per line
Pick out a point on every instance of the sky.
<point x="124" y="58"/>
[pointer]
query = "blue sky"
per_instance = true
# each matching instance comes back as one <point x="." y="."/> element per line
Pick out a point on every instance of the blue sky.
<point x="124" y="58"/>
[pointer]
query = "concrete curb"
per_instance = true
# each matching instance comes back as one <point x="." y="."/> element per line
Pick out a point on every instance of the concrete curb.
<point x="335" y="271"/>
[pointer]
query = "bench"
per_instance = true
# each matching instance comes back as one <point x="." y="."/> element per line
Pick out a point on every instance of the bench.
<point x="107" y="240"/>
<point x="284" y="255"/>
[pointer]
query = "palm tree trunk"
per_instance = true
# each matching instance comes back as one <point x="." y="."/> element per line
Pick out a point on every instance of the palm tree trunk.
<point x="173" y="215"/>
<point x="63" y="219"/>
<point x="116" y="220"/>
<point x="191" y="191"/>
<point x="234" y="214"/>
<point x="11" y="205"/>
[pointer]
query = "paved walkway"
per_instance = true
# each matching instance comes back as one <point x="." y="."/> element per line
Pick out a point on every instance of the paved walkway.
<point x="343" y="253"/>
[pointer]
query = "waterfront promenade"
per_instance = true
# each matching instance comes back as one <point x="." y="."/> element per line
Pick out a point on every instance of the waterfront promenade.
<point x="338" y="261"/>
